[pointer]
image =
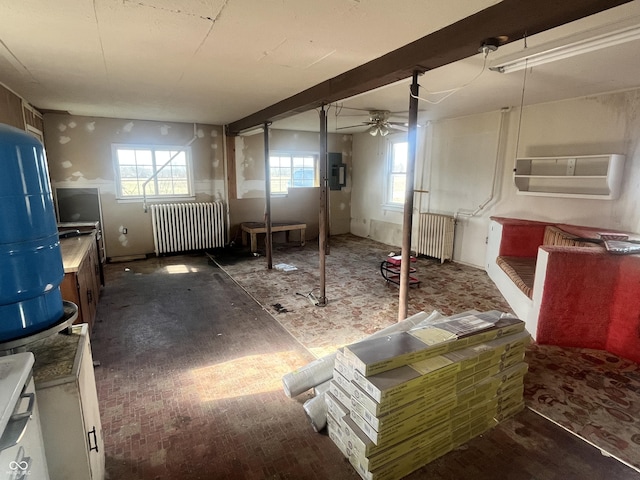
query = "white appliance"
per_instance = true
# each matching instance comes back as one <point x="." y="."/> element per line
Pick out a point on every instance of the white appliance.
<point x="22" y="454"/>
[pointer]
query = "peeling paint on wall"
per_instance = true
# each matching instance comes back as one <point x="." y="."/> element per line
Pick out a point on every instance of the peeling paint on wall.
<point x="215" y="163"/>
<point x="66" y="164"/>
<point x="64" y="139"/>
<point x="128" y="127"/>
<point x="164" y="129"/>
<point x="73" y="124"/>
<point x="214" y="133"/>
<point x="90" y="126"/>
<point x="123" y="240"/>
<point x="62" y="127"/>
<point x="200" y="133"/>
<point x="214" y="146"/>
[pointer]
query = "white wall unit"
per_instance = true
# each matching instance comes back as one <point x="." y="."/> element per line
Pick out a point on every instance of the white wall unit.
<point x="69" y="411"/>
<point x="586" y="176"/>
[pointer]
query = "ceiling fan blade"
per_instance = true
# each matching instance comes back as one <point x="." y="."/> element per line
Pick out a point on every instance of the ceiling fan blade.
<point x="352" y="126"/>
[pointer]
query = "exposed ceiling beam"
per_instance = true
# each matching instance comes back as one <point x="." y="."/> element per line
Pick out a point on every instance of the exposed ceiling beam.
<point x="508" y="20"/>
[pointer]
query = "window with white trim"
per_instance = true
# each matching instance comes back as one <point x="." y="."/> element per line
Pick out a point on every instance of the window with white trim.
<point x="397" y="172"/>
<point x="166" y="171"/>
<point x="292" y="170"/>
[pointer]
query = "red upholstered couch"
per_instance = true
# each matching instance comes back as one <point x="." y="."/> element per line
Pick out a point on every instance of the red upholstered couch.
<point x="571" y="292"/>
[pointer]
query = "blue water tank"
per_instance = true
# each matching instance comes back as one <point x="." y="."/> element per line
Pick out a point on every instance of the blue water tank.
<point x="30" y="260"/>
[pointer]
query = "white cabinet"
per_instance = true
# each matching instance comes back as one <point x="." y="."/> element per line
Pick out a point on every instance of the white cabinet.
<point x="587" y="176"/>
<point x="68" y="402"/>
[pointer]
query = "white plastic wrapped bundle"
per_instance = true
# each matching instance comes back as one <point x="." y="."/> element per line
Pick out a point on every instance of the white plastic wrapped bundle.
<point x="321" y="370"/>
<point x="316" y="410"/>
<point x="322" y="388"/>
<point x="309" y="376"/>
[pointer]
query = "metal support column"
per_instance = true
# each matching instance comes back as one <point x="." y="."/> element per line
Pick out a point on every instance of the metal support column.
<point x="407" y="224"/>
<point x="322" y="245"/>
<point x="267" y="206"/>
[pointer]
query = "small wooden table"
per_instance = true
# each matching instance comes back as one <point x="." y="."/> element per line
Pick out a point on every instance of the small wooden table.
<point x="254" y="228"/>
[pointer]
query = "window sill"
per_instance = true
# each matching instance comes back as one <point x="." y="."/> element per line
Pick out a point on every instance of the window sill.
<point x="393" y="207"/>
<point x="154" y="199"/>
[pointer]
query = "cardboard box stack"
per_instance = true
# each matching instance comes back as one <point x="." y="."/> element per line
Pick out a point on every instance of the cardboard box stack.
<point x="396" y="403"/>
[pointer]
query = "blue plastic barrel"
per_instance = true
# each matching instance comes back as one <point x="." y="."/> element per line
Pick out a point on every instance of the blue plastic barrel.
<point x="30" y="260"/>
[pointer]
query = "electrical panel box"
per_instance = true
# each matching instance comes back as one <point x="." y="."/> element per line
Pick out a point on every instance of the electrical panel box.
<point x="337" y="171"/>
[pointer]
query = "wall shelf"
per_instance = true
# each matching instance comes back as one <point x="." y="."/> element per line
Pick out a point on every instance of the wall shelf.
<point x="586" y="176"/>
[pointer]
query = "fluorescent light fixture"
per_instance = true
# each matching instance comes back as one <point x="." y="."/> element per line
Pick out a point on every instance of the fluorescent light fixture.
<point x="567" y="47"/>
<point x="251" y="132"/>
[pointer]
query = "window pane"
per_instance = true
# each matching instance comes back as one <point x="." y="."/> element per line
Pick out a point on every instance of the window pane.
<point x="150" y="189"/>
<point x="144" y="172"/>
<point x="398" y="187"/>
<point x="143" y="157"/>
<point x="135" y="166"/>
<point x="129" y="187"/>
<point x="179" y="159"/>
<point x="291" y="171"/>
<point x="126" y="157"/>
<point x="165" y="187"/>
<point x="180" y="187"/>
<point x="303" y="177"/>
<point x="166" y="172"/>
<point x="399" y="162"/>
<point x="162" y="157"/>
<point x="179" y="172"/>
<point x="128" y="171"/>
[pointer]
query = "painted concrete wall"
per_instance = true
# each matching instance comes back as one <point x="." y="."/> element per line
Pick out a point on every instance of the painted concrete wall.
<point x="370" y="217"/>
<point x="461" y="153"/>
<point x="80" y="156"/>
<point x="300" y="204"/>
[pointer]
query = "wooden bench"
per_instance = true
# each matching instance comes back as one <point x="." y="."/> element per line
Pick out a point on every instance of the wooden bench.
<point x="254" y="228"/>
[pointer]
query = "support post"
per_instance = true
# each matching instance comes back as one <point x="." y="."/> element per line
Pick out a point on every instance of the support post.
<point x="407" y="223"/>
<point x="267" y="206"/>
<point x="322" y="243"/>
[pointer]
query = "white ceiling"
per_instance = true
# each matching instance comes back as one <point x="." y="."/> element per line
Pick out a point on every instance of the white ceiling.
<point x="216" y="61"/>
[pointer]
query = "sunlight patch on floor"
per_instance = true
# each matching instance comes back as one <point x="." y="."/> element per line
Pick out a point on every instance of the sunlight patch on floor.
<point x="248" y="375"/>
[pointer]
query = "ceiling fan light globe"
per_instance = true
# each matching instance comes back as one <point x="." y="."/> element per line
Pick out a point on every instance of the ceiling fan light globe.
<point x="384" y="131"/>
<point x="373" y="131"/>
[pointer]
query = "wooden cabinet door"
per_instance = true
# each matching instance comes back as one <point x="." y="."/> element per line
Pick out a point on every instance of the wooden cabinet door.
<point x="91" y="414"/>
<point x="86" y="292"/>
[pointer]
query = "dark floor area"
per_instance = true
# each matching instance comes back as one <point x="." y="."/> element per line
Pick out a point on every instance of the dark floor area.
<point x="190" y="388"/>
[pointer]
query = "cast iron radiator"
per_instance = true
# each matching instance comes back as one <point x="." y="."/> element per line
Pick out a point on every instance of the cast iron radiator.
<point x="435" y="236"/>
<point x="180" y="227"/>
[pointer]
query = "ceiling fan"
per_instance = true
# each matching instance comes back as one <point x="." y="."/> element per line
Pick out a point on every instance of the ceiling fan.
<point x="379" y="124"/>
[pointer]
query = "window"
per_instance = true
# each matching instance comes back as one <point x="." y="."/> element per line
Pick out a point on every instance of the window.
<point x="137" y="164"/>
<point x="290" y="170"/>
<point x="397" y="172"/>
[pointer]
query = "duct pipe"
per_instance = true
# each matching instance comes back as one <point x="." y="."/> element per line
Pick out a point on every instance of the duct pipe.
<point x="466" y="213"/>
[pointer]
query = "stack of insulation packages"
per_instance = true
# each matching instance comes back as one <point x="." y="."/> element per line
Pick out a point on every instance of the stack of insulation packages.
<point x="397" y="402"/>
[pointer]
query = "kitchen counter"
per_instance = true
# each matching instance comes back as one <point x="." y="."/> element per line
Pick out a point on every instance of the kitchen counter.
<point x="74" y="250"/>
<point x="55" y="356"/>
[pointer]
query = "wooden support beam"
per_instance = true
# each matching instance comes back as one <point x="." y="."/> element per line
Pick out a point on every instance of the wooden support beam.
<point x="507" y="20"/>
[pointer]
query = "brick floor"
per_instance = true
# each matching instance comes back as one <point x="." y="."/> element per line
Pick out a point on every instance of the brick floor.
<point x="189" y="388"/>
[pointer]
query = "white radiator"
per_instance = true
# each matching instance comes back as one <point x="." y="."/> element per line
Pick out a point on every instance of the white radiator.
<point x="435" y="236"/>
<point x="179" y="227"/>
